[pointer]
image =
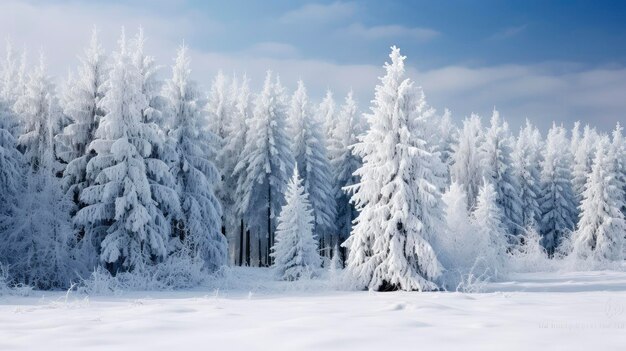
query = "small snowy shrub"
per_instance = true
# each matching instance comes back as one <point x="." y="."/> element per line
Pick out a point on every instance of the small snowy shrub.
<point x="529" y="255"/>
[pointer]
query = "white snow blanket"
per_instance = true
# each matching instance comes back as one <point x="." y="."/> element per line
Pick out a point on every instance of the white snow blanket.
<point x="248" y="310"/>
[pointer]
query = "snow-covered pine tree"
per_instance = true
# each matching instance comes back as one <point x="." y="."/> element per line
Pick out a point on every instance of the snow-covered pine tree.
<point x="575" y="139"/>
<point x="466" y="168"/>
<point x="456" y="247"/>
<point x="267" y="160"/>
<point x="344" y="163"/>
<point x="448" y="137"/>
<point x="36" y="231"/>
<point x="122" y="213"/>
<point x="218" y="107"/>
<point x="583" y="160"/>
<point x="81" y="104"/>
<point x="557" y="200"/>
<point x="601" y="229"/>
<point x="38" y="109"/>
<point x="498" y="170"/>
<point x="326" y="113"/>
<point x="219" y="110"/>
<point x="295" y="251"/>
<point x="309" y="150"/>
<point x="526" y="165"/>
<point x="150" y="83"/>
<point x="619" y="145"/>
<point x="400" y="207"/>
<point x="490" y="224"/>
<point x="162" y="148"/>
<point x="11" y="180"/>
<point x="196" y="175"/>
<point x="10" y="89"/>
<point x="238" y="130"/>
<point x="9" y="75"/>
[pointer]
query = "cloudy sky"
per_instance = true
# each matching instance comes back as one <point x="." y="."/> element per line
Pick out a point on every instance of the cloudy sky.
<point x="542" y="60"/>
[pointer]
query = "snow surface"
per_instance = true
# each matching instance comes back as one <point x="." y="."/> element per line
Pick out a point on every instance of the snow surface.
<point x="248" y="309"/>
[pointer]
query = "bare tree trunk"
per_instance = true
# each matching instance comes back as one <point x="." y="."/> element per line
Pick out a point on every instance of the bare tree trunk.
<point x="270" y="238"/>
<point x="241" y="243"/>
<point x="248" y="248"/>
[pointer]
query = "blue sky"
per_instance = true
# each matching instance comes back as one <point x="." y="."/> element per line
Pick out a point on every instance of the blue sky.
<point x="542" y="60"/>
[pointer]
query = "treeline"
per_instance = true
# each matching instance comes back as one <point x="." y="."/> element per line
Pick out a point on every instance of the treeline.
<point x="121" y="170"/>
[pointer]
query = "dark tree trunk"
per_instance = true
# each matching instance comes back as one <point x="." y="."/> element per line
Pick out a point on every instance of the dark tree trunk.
<point x="248" y="248"/>
<point x="270" y="239"/>
<point x="241" y="243"/>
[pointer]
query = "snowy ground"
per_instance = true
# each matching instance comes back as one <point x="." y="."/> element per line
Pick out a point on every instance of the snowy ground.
<point x="557" y="311"/>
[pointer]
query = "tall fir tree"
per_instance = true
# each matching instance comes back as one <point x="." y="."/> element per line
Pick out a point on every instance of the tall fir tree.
<point x="242" y="111"/>
<point x="400" y="207"/>
<point x="344" y="163"/>
<point x="601" y="229"/>
<point x="466" y="168"/>
<point x="150" y="83"/>
<point x="37" y="230"/>
<point x="38" y="110"/>
<point x="122" y="213"/>
<point x="583" y="161"/>
<point x="498" y="170"/>
<point x="12" y="185"/>
<point x="448" y="137"/>
<point x="82" y="105"/>
<point x="11" y="87"/>
<point x="490" y="223"/>
<point x="295" y="250"/>
<point x="267" y="160"/>
<point x="326" y="113"/>
<point x="557" y="200"/>
<point x="526" y="166"/>
<point x="196" y="175"/>
<point x="309" y="150"/>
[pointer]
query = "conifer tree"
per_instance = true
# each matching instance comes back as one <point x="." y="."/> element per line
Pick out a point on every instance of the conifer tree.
<point x="122" y="213"/>
<point x="448" y="137"/>
<point x="602" y="225"/>
<point x="326" y="113"/>
<point x="557" y="200"/>
<point x="151" y="114"/>
<point x="526" y="166"/>
<point x="36" y="230"/>
<point x="498" y="170"/>
<point x="309" y="150"/>
<point x="583" y="160"/>
<point x="489" y="220"/>
<point x="466" y="166"/>
<point x="400" y="207"/>
<point x="295" y="251"/>
<point x="344" y="163"/>
<point x="242" y="111"/>
<point x="267" y="161"/>
<point x="82" y="105"/>
<point x="38" y="111"/>
<point x="196" y="175"/>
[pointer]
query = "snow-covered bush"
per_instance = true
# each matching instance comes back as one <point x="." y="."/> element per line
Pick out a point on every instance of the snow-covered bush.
<point x="529" y="255"/>
<point x="180" y="270"/>
<point x="456" y="247"/>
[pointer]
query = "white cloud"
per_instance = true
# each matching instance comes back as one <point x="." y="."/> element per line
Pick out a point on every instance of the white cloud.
<point x="320" y="13"/>
<point x="392" y="31"/>
<point x="531" y="91"/>
<point x="554" y="91"/>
